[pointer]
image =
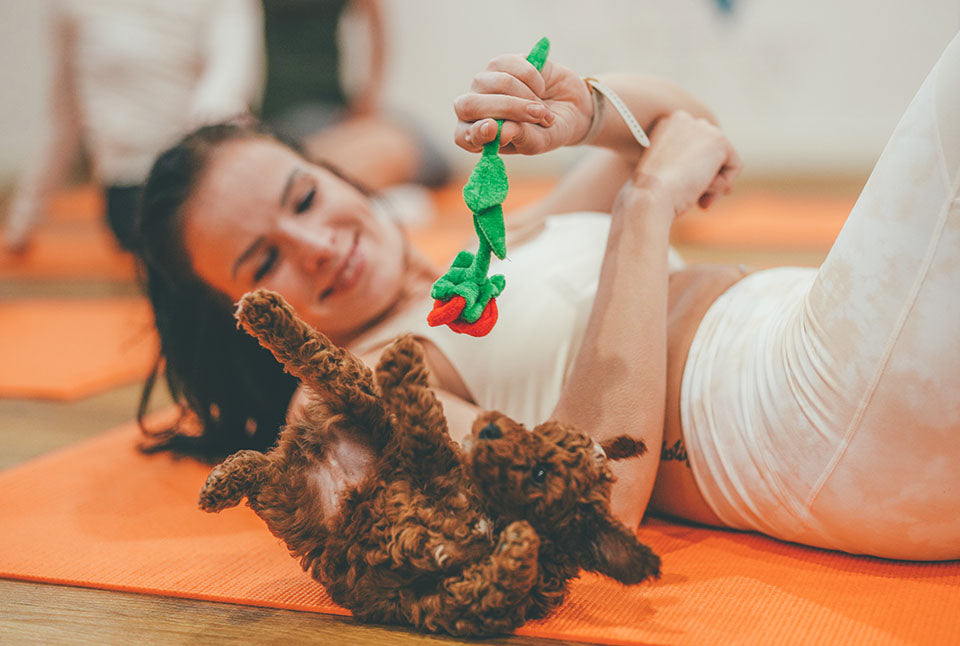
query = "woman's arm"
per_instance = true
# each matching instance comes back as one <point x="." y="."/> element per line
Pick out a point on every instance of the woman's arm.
<point x="511" y="87"/>
<point x="591" y="185"/>
<point x="649" y="100"/>
<point x="366" y="101"/>
<point x="233" y="66"/>
<point x="59" y="146"/>
<point x="618" y="380"/>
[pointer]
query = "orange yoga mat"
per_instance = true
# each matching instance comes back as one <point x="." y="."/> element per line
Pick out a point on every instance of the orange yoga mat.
<point x="69" y="348"/>
<point x="767" y="220"/>
<point x="101" y="515"/>
<point x="72" y="243"/>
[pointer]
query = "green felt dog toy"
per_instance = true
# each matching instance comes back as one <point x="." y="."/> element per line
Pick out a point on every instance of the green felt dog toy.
<point x="465" y="297"/>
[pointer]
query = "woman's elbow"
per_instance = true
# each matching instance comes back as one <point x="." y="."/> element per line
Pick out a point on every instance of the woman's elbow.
<point x="632" y="489"/>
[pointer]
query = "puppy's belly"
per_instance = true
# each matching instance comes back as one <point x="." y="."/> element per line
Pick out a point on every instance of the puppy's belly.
<point x="345" y="464"/>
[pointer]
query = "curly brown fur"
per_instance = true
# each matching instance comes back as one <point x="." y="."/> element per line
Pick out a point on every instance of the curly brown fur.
<point x="384" y="510"/>
<point x="558" y="480"/>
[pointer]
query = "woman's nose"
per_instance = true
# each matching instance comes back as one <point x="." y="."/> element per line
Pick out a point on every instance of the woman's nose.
<point x="311" y="246"/>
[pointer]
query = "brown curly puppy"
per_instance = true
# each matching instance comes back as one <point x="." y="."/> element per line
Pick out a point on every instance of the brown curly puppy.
<point x="381" y="507"/>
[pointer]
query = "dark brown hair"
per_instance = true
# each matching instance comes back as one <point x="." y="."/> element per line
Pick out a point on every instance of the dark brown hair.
<point x="236" y="389"/>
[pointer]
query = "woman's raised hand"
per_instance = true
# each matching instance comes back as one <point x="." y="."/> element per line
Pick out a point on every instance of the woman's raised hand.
<point x="542" y="111"/>
<point x="690" y="160"/>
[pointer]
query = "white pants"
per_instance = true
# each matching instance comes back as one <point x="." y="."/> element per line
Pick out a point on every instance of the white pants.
<point x="823" y="406"/>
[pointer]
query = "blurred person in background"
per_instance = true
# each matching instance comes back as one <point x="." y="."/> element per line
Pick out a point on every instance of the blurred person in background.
<point x="128" y="78"/>
<point x="326" y="63"/>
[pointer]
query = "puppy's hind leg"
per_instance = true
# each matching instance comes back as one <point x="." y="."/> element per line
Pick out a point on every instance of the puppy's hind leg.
<point x="240" y="475"/>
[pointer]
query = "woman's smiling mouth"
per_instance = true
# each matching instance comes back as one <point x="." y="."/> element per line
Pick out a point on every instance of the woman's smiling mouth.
<point x="349" y="271"/>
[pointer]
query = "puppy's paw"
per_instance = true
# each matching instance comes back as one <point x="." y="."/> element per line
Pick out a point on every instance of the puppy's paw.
<point x="219" y="492"/>
<point x="237" y="476"/>
<point x="402" y="364"/>
<point x="517" y="551"/>
<point x="519" y="537"/>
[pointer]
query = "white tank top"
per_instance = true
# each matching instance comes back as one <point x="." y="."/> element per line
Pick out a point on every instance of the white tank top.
<point x="520" y="367"/>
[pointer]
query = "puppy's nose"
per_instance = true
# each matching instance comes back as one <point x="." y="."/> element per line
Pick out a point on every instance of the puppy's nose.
<point x="490" y="432"/>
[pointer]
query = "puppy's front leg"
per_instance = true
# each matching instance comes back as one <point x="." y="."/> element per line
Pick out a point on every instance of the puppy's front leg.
<point x="424" y="441"/>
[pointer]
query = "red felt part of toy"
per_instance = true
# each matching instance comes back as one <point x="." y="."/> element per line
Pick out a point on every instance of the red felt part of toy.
<point x="445" y="312"/>
<point x="482" y="326"/>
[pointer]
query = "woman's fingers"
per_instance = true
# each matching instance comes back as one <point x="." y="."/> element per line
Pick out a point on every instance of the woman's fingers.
<point x="509" y="89"/>
<point x="693" y="159"/>
<point x="521" y="69"/>
<point x="512" y="137"/>
<point x="477" y="114"/>
<point x="722" y="184"/>
<point x="494" y="82"/>
<point x="734" y="164"/>
<point x="474" y="107"/>
<point x="472" y="136"/>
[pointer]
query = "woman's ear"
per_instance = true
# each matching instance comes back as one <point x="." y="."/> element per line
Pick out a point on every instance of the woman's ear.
<point x="613" y="550"/>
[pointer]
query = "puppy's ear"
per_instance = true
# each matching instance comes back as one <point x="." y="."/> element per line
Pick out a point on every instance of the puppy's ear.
<point x="614" y="550"/>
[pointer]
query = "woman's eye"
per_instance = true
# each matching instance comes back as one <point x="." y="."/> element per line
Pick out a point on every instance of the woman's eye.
<point x="539" y="473"/>
<point x="267" y="264"/>
<point x="306" y="201"/>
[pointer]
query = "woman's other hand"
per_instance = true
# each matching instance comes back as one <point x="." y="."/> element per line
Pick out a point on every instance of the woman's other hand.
<point x="690" y="160"/>
<point x="542" y="111"/>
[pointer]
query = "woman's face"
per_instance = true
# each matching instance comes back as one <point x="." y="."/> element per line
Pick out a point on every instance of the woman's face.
<point x="261" y="216"/>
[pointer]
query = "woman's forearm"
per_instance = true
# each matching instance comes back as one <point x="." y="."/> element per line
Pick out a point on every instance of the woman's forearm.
<point x="617" y="383"/>
<point x="593" y="184"/>
<point x="649" y="100"/>
<point x="59" y="144"/>
<point x="366" y="101"/>
<point x="233" y="63"/>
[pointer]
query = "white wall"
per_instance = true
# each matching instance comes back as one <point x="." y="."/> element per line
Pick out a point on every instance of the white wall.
<point x="801" y="85"/>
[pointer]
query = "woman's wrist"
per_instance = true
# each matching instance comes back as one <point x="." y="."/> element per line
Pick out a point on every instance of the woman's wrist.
<point x="605" y="100"/>
<point x="648" y="99"/>
<point x="595" y="118"/>
<point x="645" y="199"/>
<point x="608" y="129"/>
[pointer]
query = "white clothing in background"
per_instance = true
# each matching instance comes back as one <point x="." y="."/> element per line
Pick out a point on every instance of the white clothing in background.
<point x="129" y="78"/>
